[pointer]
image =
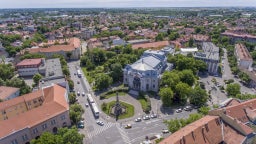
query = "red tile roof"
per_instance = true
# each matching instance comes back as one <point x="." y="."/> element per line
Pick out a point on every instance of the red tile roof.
<point x="7" y="91"/>
<point x="203" y="131"/>
<point x="238" y="111"/>
<point x="54" y="104"/>
<point x="27" y="62"/>
<point x="151" y="45"/>
<point x="73" y="44"/>
<point x="242" y="52"/>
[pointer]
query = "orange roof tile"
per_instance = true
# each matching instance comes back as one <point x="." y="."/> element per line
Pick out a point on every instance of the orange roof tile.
<point x="27" y="62"/>
<point x="7" y="91"/>
<point x="151" y="45"/>
<point x="203" y="131"/>
<point x="54" y="104"/>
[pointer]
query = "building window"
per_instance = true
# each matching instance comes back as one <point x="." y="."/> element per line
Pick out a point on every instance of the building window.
<point x="44" y="126"/>
<point x="14" y="141"/>
<point x="25" y="137"/>
<point x="53" y="122"/>
<point x="35" y="131"/>
<point x="153" y="86"/>
<point x="63" y="117"/>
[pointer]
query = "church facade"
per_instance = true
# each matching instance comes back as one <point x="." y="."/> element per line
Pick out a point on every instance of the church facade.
<point x="144" y="74"/>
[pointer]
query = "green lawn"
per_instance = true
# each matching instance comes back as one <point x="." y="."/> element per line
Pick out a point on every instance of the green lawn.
<point x="143" y="103"/>
<point x="87" y="75"/>
<point x="129" y="109"/>
<point x="114" y="94"/>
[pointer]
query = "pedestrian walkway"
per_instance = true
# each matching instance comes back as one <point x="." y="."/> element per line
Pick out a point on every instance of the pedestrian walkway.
<point x="123" y="134"/>
<point x="99" y="129"/>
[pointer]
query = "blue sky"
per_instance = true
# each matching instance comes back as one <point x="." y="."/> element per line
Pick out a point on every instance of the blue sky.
<point x="121" y="3"/>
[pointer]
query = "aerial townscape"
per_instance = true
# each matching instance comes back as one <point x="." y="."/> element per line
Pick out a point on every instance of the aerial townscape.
<point x="128" y="72"/>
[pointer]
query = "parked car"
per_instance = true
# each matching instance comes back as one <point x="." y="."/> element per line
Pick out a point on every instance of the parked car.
<point x="83" y="94"/>
<point x="153" y="116"/>
<point x="188" y="108"/>
<point x="87" y="105"/>
<point x="78" y="93"/>
<point x="179" y="110"/>
<point x="146" y="117"/>
<point x="165" y="131"/>
<point x="78" y="82"/>
<point x="137" y="120"/>
<point x="80" y="124"/>
<point x="100" y="123"/>
<point x="128" y="126"/>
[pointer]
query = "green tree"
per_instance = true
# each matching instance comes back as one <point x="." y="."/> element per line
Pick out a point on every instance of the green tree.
<point x="72" y="97"/>
<point x="204" y="110"/>
<point x="166" y="95"/>
<point x="190" y="42"/>
<point x="182" y="90"/>
<point x="170" y="79"/>
<point x="75" y="113"/>
<point x="19" y="83"/>
<point x="63" y="136"/>
<point x="159" y="37"/>
<point x="173" y="125"/>
<point x="198" y="96"/>
<point x="117" y="71"/>
<point x="233" y="89"/>
<point x="102" y="81"/>
<point x="48" y="138"/>
<point x="6" y="71"/>
<point x="36" y="78"/>
<point x="187" y="76"/>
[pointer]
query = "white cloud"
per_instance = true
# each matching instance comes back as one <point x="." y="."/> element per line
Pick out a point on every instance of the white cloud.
<point x="121" y="3"/>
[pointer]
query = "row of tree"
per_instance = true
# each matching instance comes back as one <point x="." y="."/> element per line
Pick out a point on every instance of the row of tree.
<point x="105" y="67"/>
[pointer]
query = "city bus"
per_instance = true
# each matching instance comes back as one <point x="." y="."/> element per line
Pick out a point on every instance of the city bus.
<point x="90" y="99"/>
<point x="79" y="74"/>
<point x="95" y="109"/>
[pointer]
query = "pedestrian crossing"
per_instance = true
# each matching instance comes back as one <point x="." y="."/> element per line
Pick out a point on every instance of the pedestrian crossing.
<point x="99" y="129"/>
<point x="123" y="134"/>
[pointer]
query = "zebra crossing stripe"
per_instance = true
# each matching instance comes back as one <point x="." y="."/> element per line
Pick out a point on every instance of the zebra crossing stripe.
<point x="123" y="134"/>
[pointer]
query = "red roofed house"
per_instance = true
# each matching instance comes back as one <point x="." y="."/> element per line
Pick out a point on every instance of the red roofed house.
<point x="7" y="93"/>
<point x="159" y="44"/>
<point x="29" y="67"/>
<point x="73" y="46"/>
<point x="28" y="116"/>
<point x="211" y="130"/>
<point x="244" y="58"/>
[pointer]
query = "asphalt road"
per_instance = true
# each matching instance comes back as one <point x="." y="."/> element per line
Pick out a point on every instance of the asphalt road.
<point x="114" y="132"/>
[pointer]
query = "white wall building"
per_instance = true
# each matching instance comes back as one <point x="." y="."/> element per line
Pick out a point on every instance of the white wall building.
<point x="144" y="74"/>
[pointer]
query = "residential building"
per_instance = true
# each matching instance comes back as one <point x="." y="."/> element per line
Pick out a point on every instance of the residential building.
<point x="7" y="93"/>
<point x="144" y="74"/>
<point x="244" y="58"/>
<point x="158" y="45"/>
<point x="29" y="67"/>
<point x="212" y="130"/>
<point x="210" y="55"/>
<point x="73" y="46"/>
<point x="118" y="41"/>
<point x="88" y="33"/>
<point x="239" y="36"/>
<point x="28" y="116"/>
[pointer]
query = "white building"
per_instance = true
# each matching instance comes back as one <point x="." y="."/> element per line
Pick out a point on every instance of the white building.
<point x="210" y="55"/>
<point x="244" y="58"/>
<point x="144" y="74"/>
<point x="29" y="67"/>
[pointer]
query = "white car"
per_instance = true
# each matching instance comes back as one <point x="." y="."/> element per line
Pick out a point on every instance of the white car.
<point x="146" y="117"/>
<point x="100" y="123"/>
<point x="153" y="116"/>
<point x="78" y="93"/>
<point x="179" y="110"/>
<point x="165" y="131"/>
<point x="83" y="94"/>
<point x="137" y="119"/>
